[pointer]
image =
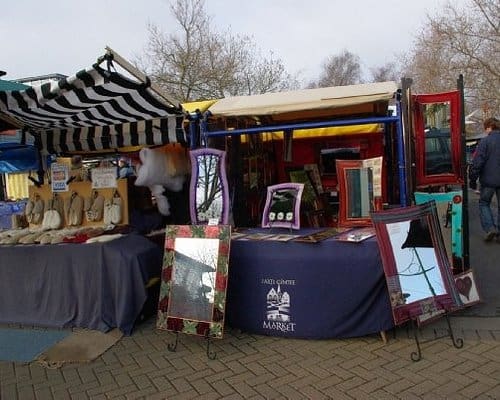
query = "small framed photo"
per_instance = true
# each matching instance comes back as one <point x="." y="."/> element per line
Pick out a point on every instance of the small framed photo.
<point x="282" y="208"/>
<point x="467" y="288"/>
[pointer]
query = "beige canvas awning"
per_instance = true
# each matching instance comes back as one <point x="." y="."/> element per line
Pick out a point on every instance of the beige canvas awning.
<point x="307" y="100"/>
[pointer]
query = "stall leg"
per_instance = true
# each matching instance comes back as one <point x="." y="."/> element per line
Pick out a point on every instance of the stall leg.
<point x="173" y="346"/>
<point x="210" y="354"/>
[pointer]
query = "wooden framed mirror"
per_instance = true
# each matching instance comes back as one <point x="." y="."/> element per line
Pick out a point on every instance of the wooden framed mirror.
<point x="360" y="190"/>
<point x="415" y="263"/>
<point x="194" y="279"/>
<point x="282" y="208"/>
<point x="209" y="192"/>
<point x="449" y="208"/>
<point x="437" y="139"/>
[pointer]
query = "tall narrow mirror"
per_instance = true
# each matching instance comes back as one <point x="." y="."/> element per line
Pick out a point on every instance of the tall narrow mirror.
<point x="437" y="139"/>
<point x="209" y="195"/>
<point x="360" y="188"/>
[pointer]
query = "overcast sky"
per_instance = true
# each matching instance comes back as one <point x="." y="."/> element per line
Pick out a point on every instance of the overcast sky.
<point x="64" y="36"/>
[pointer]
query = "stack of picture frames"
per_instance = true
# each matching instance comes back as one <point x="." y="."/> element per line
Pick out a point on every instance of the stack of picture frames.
<point x="193" y="282"/>
<point x="313" y="205"/>
<point x="417" y="269"/>
<point x="449" y="208"/>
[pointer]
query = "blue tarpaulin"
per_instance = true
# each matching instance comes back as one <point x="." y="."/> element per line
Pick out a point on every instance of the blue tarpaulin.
<point x="15" y="157"/>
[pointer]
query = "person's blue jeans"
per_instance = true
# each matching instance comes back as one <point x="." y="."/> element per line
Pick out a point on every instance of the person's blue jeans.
<point x="485" y="214"/>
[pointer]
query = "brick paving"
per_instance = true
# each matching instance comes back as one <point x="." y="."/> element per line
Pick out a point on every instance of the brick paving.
<point x="260" y="367"/>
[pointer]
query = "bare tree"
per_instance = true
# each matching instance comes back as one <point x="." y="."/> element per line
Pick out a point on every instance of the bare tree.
<point x="202" y="63"/>
<point x="384" y="73"/>
<point x="339" y="70"/>
<point x="461" y="41"/>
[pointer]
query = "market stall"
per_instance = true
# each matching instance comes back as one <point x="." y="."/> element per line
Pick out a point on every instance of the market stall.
<point x="84" y="268"/>
<point x="319" y="289"/>
<point x="273" y="137"/>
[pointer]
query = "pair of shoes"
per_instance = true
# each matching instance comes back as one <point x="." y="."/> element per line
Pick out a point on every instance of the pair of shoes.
<point x="489" y="236"/>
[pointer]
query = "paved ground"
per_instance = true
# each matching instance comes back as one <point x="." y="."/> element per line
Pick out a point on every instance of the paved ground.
<point x="259" y="367"/>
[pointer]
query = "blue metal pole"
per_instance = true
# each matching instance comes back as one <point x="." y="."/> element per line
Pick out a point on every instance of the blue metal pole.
<point x="304" y="125"/>
<point x="192" y="132"/>
<point x="403" y="196"/>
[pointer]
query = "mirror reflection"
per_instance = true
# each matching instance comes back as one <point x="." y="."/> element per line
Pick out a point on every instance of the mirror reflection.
<point x="416" y="262"/>
<point x="359" y="192"/>
<point x="437" y="117"/>
<point x="209" y="191"/>
<point x="193" y="278"/>
<point x="208" y="188"/>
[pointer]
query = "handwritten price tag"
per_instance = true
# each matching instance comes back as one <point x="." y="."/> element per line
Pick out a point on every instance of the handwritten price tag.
<point x="103" y="178"/>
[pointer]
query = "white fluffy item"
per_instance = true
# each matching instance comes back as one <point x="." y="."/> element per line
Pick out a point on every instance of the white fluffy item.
<point x="162" y="169"/>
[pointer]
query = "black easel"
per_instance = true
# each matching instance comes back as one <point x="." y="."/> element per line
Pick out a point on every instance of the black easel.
<point x="210" y="354"/>
<point x="458" y="343"/>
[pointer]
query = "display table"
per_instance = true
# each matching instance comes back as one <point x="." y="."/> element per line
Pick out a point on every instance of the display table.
<point x="329" y="289"/>
<point x="97" y="286"/>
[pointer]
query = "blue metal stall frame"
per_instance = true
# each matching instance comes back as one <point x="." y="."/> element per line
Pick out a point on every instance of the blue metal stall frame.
<point x="205" y="134"/>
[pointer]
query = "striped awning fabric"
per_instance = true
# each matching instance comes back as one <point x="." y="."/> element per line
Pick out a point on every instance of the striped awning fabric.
<point x="96" y="109"/>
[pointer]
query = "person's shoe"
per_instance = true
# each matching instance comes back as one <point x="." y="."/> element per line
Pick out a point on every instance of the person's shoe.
<point x="490" y="236"/>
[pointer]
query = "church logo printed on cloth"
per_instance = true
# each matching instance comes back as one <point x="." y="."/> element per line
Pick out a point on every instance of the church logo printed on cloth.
<point x="278" y="316"/>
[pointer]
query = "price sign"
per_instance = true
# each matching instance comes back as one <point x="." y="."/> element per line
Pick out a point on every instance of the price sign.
<point x="103" y="177"/>
<point x="59" y="177"/>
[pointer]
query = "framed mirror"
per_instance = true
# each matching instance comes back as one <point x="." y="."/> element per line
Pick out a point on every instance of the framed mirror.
<point x="209" y="193"/>
<point x="194" y="279"/>
<point x="415" y="263"/>
<point x="449" y="208"/>
<point x="437" y="139"/>
<point x="282" y="208"/>
<point x="360" y="190"/>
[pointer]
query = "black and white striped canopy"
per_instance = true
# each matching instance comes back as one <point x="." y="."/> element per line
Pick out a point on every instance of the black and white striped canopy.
<point x="96" y="109"/>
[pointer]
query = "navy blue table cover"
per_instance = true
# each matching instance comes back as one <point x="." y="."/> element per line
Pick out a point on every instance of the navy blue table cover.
<point x="331" y="289"/>
<point x="97" y="286"/>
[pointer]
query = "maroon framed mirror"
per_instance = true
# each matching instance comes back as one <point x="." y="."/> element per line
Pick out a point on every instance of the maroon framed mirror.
<point x="360" y="189"/>
<point x="436" y="120"/>
<point x="415" y="263"/>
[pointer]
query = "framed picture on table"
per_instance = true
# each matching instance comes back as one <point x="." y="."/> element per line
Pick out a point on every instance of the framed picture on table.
<point x="313" y="171"/>
<point x="309" y="195"/>
<point x="194" y="280"/>
<point x="282" y="208"/>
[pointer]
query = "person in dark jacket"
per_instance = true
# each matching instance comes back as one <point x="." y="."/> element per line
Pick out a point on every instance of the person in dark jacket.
<point x="486" y="167"/>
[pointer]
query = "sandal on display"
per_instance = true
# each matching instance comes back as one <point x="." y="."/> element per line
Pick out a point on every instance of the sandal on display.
<point x="95" y="210"/>
<point x="52" y="218"/>
<point x="38" y="208"/>
<point x="113" y="210"/>
<point x="75" y="211"/>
